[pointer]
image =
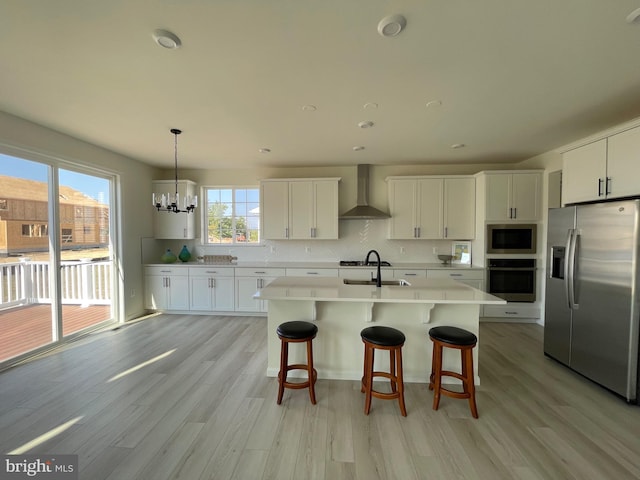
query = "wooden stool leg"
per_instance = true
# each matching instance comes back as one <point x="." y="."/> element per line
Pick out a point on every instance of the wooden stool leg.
<point x="437" y="381"/>
<point x="311" y="373"/>
<point x="470" y="388"/>
<point x="392" y="370"/>
<point x="282" y="374"/>
<point x="433" y="367"/>
<point x="363" y="388"/>
<point x="400" y="383"/>
<point x="368" y="378"/>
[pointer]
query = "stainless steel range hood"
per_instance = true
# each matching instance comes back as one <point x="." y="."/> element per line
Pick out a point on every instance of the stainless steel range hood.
<point x="362" y="210"/>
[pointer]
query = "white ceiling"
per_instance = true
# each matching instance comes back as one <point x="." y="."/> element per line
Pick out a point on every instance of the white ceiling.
<point x="516" y="78"/>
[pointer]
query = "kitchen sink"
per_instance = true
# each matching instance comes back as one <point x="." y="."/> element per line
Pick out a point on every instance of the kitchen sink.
<point x="385" y="283"/>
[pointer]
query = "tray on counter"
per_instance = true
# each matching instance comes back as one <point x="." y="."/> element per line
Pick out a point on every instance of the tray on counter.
<point x="219" y="259"/>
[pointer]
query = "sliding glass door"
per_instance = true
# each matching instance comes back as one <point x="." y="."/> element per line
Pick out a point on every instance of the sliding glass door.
<point x="85" y="253"/>
<point x="56" y="256"/>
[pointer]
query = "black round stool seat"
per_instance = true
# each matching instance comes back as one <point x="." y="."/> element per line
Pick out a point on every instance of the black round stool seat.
<point x="453" y="335"/>
<point x="383" y="336"/>
<point x="296" y="330"/>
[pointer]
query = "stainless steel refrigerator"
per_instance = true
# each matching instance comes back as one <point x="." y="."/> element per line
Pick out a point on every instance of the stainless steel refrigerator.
<point x="592" y="300"/>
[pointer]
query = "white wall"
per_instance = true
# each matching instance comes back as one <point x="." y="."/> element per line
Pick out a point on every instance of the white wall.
<point x="27" y="140"/>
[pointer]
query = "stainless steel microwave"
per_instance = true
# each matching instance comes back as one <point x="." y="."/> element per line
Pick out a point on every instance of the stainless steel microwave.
<point x="511" y="238"/>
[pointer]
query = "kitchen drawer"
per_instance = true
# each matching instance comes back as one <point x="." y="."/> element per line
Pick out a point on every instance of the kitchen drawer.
<point x="410" y="273"/>
<point x="211" y="271"/>
<point x="457" y="274"/>
<point x="312" y="272"/>
<point x="512" y="311"/>
<point x="259" y="272"/>
<point x="366" y="273"/>
<point x="175" y="271"/>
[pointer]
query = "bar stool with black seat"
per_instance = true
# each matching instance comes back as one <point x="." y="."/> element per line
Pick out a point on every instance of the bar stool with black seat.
<point x="296" y="332"/>
<point x="383" y="338"/>
<point x="465" y="341"/>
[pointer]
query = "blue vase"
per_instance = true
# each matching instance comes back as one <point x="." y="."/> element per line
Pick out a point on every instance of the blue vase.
<point x="168" y="257"/>
<point x="184" y="254"/>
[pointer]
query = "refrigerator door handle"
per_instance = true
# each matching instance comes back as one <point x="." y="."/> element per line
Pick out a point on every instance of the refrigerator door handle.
<point x="574" y="234"/>
<point x="568" y="268"/>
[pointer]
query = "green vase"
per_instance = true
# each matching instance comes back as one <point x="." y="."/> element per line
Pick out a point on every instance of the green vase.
<point x="168" y="257"/>
<point x="184" y="254"/>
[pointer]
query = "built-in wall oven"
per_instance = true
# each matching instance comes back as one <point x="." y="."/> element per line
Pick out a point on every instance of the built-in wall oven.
<point x="512" y="279"/>
<point x="511" y="238"/>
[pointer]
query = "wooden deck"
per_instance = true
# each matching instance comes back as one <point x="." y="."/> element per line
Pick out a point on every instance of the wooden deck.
<point x="23" y="329"/>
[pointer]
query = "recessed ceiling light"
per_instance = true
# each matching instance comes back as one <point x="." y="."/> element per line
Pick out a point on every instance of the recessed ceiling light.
<point x="265" y="150"/>
<point x="357" y="148"/>
<point x="371" y="105"/>
<point x="458" y="145"/>
<point x="634" y="16"/>
<point x="166" y="39"/>
<point x="309" y="108"/>
<point x="391" y="25"/>
<point x="366" y="124"/>
<point x="434" y="103"/>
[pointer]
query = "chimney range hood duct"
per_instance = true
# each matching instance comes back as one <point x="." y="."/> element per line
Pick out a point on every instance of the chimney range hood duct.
<point x="362" y="210"/>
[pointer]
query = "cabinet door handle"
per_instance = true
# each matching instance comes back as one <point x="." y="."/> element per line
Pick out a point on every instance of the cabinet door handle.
<point x="213" y="283"/>
<point x="168" y="281"/>
<point x="259" y="273"/>
<point x="312" y="273"/>
<point x="599" y="187"/>
<point x="510" y="212"/>
<point x="286" y="232"/>
<point x="607" y="189"/>
<point x="418" y="232"/>
<point x="185" y="233"/>
<point x="409" y="274"/>
<point x="446" y="232"/>
<point x="455" y="274"/>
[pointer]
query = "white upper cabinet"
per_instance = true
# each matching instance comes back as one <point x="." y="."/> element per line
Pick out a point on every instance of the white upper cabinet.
<point x="607" y="168"/>
<point x="459" y="208"/>
<point x="513" y="196"/>
<point x="623" y="164"/>
<point x="169" y="225"/>
<point x="584" y="173"/>
<point x="274" y="210"/>
<point x="431" y="207"/>
<point x="299" y="209"/>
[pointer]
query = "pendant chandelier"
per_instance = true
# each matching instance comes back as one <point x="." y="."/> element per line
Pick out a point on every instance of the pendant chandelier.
<point x="171" y="202"/>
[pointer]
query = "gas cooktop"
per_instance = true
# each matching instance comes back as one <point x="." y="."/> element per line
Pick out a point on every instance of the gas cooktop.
<point x="361" y="263"/>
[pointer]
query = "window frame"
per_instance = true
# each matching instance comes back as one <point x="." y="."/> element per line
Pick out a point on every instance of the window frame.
<point x="205" y="216"/>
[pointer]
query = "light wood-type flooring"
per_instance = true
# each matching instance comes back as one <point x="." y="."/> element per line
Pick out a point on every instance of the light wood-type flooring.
<point x="186" y="397"/>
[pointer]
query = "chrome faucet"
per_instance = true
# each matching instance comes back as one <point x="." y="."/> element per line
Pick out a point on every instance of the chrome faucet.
<point x="378" y="278"/>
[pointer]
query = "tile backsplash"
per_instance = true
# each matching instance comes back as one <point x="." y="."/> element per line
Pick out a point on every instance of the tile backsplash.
<point x="357" y="237"/>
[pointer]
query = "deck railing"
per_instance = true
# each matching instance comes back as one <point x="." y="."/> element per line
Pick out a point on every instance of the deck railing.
<point x="82" y="283"/>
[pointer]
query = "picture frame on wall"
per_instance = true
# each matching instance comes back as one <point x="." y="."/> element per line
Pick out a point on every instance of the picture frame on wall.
<point x="461" y="252"/>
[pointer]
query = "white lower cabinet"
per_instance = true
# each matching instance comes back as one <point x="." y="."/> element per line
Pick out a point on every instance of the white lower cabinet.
<point x="474" y="278"/>
<point x="166" y="288"/>
<point x="409" y="273"/>
<point x="512" y="310"/>
<point x="312" y="272"/>
<point x="248" y="281"/>
<point x="212" y="289"/>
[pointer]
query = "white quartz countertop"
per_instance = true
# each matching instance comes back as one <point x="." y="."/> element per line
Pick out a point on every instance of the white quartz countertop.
<point x="403" y="265"/>
<point x="419" y="290"/>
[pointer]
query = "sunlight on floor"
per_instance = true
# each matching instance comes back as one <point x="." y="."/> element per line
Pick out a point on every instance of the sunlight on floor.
<point x="45" y="436"/>
<point x="140" y="366"/>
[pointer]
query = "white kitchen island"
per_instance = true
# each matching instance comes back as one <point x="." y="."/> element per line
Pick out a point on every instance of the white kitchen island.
<point x="341" y="311"/>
